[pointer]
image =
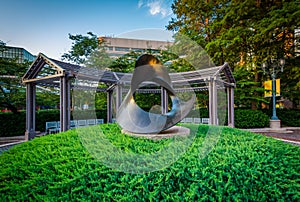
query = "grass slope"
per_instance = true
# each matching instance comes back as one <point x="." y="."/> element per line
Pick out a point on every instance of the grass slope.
<point x="242" y="167"/>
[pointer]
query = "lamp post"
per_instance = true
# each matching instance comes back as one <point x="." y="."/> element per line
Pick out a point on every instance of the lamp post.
<point x="273" y="68"/>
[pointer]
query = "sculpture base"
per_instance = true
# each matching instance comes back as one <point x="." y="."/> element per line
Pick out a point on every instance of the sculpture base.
<point x="275" y="124"/>
<point x="171" y="132"/>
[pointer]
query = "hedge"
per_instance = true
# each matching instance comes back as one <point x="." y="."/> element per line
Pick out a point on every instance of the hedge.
<point x="288" y="117"/>
<point x="14" y="124"/>
<point x="247" y="118"/>
<point x="242" y="166"/>
<point x="243" y="118"/>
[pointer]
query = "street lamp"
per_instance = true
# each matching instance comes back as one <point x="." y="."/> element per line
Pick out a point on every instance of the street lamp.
<point x="273" y="67"/>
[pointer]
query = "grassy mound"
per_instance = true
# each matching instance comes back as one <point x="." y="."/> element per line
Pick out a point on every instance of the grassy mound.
<point x="242" y="166"/>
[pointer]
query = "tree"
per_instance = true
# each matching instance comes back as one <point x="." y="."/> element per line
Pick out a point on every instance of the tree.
<point x="2" y="46"/>
<point x="243" y="33"/>
<point x="47" y="98"/>
<point x="99" y="58"/>
<point x="12" y="93"/>
<point x="82" y="47"/>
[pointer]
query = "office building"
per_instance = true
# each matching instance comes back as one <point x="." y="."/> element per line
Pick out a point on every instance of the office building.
<point x="117" y="47"/>
<point x="20" y="54"/>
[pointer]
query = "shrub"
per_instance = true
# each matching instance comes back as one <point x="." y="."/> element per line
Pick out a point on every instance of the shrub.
<point x="241" y="167"/>
<point x="201" y="112"/>
<point x="247" y="118"/>
<point x="12" y="124"/>
<point x="15" y="124"/>
<point x="243" y="118"/>
<point x="288" y="117"/>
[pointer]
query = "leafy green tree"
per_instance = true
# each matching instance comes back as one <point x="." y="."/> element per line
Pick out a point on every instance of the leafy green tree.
<point x="82" y="47"/>
<point x="99" y="58"/>
<point x="47" y="98"/>
<point x="290" y="80"/>
<point x="243" y="33"/>
<point x="124" y="63"/>
<point x="247" y="89"/>
<point x="12" y="92"/>
<point x="2" y="46"/>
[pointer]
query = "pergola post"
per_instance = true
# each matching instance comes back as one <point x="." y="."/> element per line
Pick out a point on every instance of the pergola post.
<point x="164" y="101"/>
<point x="64" y="103"/>
<point x="230" y="102"/>
<point x="109" y="106"/>
<point x="119" y="89"/>
<point x="68" y="103"/>
<point x="30" y="111"/>
<point x="213" y="101"/>
<point x="210" y="98"/>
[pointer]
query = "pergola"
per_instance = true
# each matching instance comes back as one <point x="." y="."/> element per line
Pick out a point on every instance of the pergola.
<point x="47" y="72"/>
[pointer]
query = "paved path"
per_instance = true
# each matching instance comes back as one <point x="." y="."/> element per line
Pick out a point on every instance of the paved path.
<point x="5" y="147"/>
<point x="286" y="134"/>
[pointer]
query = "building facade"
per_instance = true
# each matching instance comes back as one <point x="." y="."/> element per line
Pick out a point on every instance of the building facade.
<point x="117" y="47"/>
<point x="21" y="55"/>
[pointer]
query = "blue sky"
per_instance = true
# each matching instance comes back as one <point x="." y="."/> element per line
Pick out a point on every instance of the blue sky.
<point x="43" y="26"/>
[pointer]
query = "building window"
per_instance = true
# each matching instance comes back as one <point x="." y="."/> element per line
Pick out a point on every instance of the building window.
<point x="122" y="49"/>
<point x="138" y="50"/>
<point x="109" y="48"/>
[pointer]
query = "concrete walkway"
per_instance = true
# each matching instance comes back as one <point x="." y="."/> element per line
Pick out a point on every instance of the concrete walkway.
<point x="286" y="134"/>
<point x="5" y="147"/>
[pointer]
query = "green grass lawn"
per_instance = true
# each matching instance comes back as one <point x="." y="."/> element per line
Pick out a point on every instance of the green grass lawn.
<point x="80" y="165"/>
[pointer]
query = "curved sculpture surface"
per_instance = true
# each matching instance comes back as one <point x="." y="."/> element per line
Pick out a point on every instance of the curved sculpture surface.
<point x="134" y="119"/>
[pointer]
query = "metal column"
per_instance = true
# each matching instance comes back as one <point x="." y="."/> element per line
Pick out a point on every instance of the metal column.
<point x="30" y="111"/>
<point x="109" y="106"/>
<point x="215" y="103"/>
<point x="118" y="96"/>
<point x="230" y="100"/>
<point x="64" y="104"/>
<point x="213" y="98"/>
<point x="210" y="100"/>
<point x="164" y="101"/>
<point x="68" y="102"/>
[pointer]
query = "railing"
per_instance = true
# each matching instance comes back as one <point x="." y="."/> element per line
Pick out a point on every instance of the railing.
<point x="195" y="120"/>
<point x="54" y="126"/>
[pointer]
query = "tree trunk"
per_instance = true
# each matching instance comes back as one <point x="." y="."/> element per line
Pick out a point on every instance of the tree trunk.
<point x="254" y="102"/>
<point x="10" y="107"/>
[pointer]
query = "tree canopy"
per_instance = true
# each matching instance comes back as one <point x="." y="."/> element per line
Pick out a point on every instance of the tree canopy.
<point x="82" y="47"/>
<point x="12" y="94"/>
<point x="245" y="34"/>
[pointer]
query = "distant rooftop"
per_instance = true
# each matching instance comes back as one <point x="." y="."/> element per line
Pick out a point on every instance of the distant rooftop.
<point x="20" y="54"/>
<point x="116" y="47"/>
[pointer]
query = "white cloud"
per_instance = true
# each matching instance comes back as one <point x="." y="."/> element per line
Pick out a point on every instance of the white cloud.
<point x="140" y="4"/>
<point x="156" y="7"/>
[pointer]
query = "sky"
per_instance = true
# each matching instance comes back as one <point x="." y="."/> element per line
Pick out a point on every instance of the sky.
<point x="44" y="25"/>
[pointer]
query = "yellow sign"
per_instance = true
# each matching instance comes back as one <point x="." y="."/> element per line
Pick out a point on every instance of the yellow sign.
<point x="268" y="88"/>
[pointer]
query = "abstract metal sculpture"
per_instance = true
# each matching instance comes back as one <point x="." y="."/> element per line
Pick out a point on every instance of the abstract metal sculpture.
<point x="136" y="120"/>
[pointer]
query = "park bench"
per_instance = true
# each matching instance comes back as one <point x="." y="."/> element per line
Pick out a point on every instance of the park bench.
<point x="54" y="126"/>
<point x="195" y="120"/>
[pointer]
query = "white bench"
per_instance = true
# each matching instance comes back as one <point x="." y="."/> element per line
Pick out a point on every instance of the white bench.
<point x="205" y="120"/>
<point x="54" y="126"/>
